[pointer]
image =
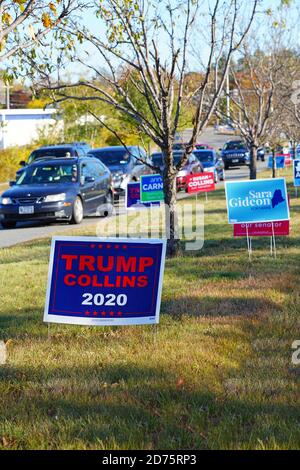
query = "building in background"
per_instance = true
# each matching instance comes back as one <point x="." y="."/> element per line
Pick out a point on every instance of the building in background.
<point x="23" y="126"/>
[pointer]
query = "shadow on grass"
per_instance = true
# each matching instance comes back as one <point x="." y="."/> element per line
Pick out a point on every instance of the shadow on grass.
<point x="128" y="406"/>
<point x="212" y="306"/>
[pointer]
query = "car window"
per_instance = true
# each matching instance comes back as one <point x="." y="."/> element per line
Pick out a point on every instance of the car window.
<point x="48" y="174"/>
<point x="56" y="152"/>
<point x="234" y="146"/>
<point x="87" y="169"/>
<point x="204" y="156"/>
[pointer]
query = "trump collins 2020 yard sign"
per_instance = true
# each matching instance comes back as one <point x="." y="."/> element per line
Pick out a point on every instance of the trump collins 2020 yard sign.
<point x="100" y="282"/>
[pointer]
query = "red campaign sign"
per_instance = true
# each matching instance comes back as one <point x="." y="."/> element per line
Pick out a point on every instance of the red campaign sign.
<point x="262" y="229"/>
<point x="201" y="183"/>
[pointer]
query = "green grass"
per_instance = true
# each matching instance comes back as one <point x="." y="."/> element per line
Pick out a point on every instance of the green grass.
<point x="217" y="374"/>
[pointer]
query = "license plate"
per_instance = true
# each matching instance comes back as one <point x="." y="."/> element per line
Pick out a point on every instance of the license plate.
<point x="235" y="160"/>
<point x="26" y="209"/>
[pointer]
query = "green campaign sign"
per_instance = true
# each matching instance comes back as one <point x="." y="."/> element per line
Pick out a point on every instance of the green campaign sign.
<point x="152" y="188"/>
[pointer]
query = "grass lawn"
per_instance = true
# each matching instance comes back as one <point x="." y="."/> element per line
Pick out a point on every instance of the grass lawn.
<point x="217" y="374"/>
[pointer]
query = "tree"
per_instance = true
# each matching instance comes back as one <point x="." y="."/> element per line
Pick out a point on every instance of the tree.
<point x="151" y="41"/>
<point x="25" y="23"/>
<point x="254" y="99"/>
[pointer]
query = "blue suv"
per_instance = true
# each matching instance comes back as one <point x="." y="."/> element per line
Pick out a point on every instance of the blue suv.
<point x="64" y="189"/>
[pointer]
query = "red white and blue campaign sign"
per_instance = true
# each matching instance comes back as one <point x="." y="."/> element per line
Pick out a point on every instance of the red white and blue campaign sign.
<point x="280" y="162"/>
<point x="262" y="229"/>
<point x="296" y="173"/>
<point x="264" y="200"/>
<point x="133" y="198"/>
<point x="102" y="282"/>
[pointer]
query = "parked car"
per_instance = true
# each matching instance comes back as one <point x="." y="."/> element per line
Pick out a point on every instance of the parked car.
<point x="211" y="163"/>
<point x="193" y="166"/>
<point x="261" y="154"/>
<point x="76" y="149"/>
<point x="235" y="153"/>
<point x="182" y="146"/>
<point x="63" y="189"/>
<point x="126" y="164"/>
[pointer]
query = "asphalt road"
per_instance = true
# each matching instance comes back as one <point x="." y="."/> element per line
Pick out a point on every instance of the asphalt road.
<point x="30" y="230"/>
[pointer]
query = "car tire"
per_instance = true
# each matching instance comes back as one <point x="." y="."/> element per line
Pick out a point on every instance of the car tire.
<point x="7" y="224"/>
<point x="109" y="201"/>
<point x="77" y="213"/>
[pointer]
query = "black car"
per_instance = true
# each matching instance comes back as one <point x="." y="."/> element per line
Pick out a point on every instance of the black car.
<point x="63" y="189"/>
<point x="235" y="153"/>
<point x="76" y="149"/>
<point x="126" y="164"/>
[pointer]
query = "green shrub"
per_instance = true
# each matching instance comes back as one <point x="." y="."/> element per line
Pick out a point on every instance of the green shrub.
<point x="10" y="161"/>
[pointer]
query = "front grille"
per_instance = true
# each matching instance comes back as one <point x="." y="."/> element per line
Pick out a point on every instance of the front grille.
<point x="238" y="155"/>
<point x="28" y="200"/>
<point x="42" y="215"/>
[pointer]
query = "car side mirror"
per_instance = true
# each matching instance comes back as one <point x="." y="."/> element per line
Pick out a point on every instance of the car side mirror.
<point x="12" y="183"/>
<point x="22" y="163"/>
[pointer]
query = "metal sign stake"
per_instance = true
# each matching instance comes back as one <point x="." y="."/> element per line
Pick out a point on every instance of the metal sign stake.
<point x="274" y="241"/>
<point x="249" y="244"/>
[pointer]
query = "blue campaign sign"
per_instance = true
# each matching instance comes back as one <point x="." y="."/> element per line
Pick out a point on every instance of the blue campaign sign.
<point x="152" y="188"/>
<point x="264" y="200"/>
<point x="296" y="173"/>
<point x="133" y="198"/>
<point x="280" y="163"/>
<point x="103" y="282"/>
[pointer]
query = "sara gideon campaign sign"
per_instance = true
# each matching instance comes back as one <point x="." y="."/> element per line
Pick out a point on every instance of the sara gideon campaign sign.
<point x="100" y="282"/>
<point x="264" y="200"/>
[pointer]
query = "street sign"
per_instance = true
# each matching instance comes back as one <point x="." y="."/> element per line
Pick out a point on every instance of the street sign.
<point x="152" y="188"/>
<point x="201" y="183"/>
<point x="264" y="200"/>
<point x="296" y="173"/>
<point x="262" y="229"/>
<point x="133" y="198"/>
<point x="101" y="282"/>
<point x="280" y="162"/>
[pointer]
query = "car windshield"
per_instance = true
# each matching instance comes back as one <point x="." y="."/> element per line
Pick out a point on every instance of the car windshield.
<point x="50" y="152"/>
<point x="157" y="159"/>
<point x="234" y="146"/>
<point x="201" y="146"/>
<point x="205" y="157"/>
<point x="48" y="174"/>
<point x="112" y="157"/>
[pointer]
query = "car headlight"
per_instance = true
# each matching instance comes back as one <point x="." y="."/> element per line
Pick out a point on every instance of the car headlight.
<point x="5" y="201"/>
<point x="55" y="197"/>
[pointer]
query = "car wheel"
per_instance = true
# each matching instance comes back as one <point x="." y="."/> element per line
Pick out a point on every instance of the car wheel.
<point x="77" y="214"/>
<point x="8" y="224"/>
<point x="109" y="201"/>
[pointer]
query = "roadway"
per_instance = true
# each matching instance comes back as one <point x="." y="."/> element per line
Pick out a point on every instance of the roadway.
<point x="31" y="230"/>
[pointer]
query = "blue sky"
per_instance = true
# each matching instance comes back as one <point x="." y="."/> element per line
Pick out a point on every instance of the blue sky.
<point x="96" y="25"/>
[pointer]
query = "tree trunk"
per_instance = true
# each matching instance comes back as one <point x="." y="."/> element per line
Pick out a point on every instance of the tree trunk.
<point x="253" y="162"/>
<point x="171" y="217"/>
